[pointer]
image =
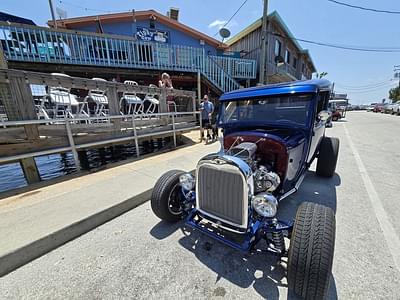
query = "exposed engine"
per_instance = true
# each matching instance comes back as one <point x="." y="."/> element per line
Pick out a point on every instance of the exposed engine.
<point x="265" y="179"/>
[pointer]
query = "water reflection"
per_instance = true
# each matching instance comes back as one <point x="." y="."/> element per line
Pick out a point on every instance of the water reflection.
<point x="56" y="165"/>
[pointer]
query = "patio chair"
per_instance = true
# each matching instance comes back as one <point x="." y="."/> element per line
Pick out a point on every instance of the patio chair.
<point x="150" y="97"/>
<point x="130" y="99"/>
<point x="100" y="99"/>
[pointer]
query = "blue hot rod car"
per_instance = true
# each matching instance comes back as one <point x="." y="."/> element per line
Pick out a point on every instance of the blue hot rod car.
<point x="271" y="135"/>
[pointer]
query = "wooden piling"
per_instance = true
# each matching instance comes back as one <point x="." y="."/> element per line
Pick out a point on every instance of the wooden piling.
<point x="30" y="170"/>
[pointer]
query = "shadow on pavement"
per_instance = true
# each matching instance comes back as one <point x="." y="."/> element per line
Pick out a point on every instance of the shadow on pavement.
<point x="263" y="271"/>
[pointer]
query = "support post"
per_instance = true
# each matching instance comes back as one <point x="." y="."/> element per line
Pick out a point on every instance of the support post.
<point x="198" y="85"/>
<point x="72" y="144"/>
<point x="163" y="108"/>
<point x="264" y="35"/>
<point x="113" y="104"/>
<point x="136" y="137"/>
<point x="163" y="101"/>
<point x="30" y="170"/>
<point x="173" y="128"/>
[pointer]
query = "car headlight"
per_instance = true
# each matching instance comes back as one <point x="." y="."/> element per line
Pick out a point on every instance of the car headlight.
<point x="187" y="181"/>
<point x="265" y="204"/>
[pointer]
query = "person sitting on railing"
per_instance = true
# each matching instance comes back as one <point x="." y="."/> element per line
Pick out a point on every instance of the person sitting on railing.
<point x="207" y="109"/>
<point x="165" y="81"/>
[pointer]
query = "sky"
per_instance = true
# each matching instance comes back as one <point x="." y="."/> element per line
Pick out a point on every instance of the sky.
<point x="365" y="76"/>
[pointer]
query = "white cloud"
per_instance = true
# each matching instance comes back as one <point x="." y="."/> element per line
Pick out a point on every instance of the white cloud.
<point x="217" y="23"/>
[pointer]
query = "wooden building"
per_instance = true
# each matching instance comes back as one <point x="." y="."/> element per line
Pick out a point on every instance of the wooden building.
<point x="286" y="59"/>
<point x="136" y="45"/>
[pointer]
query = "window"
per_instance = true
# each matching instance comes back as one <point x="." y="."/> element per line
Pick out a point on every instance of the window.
<point x="287" y="56"/>
<point x="295" y="62"/>
<point x="152" y="24"/>
<point x="285" y="109"/>
<point x="278" y="47"/>
<point x="303" y="67"/>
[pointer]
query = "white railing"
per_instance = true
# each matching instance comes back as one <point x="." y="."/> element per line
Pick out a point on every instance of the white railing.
<point x="39" y="44"/>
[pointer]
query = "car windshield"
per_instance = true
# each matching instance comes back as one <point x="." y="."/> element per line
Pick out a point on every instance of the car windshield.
<point x="289" y="110"/>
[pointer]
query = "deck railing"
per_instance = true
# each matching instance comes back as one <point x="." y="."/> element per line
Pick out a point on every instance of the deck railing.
<point x="238" y="67"/>
<point x="39" y="44"/>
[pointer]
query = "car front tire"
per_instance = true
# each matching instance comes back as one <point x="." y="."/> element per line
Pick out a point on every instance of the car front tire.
<point x="311" y="251"/>
<point x="165" y="198"/>
<point x="327" y="156"/>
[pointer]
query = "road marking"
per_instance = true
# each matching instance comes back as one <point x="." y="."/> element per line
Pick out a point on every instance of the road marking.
<point x="389" y="232"/>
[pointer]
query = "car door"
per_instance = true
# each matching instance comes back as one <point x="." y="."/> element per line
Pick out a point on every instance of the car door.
<point x="318" y="130"/>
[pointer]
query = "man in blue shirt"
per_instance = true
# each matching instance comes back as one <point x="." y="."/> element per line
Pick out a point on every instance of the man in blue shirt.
<point x="206" y="108"/>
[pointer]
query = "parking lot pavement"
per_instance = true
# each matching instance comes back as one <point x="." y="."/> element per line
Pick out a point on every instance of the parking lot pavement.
<point x="136" y="256"/>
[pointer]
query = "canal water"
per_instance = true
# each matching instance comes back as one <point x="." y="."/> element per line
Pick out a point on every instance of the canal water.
<point x="56" y="165"/>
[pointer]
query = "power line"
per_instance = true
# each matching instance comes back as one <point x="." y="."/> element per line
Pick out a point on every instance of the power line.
<point x="344" y="47"/>
<point x="364" y="87"/>
<point x="365" y="8"/>
<point x="230" y="19"/>
<point x="369" y="90"/>
<point x="84" y="8"/>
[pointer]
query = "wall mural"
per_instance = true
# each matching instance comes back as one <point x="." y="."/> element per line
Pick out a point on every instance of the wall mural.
<point x="152" y="35"/>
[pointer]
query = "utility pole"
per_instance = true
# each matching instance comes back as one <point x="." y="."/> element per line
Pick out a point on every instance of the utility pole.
<point x="53" y="15"/>
<point x="397" y="69"/>
<point x="264" y="40"/>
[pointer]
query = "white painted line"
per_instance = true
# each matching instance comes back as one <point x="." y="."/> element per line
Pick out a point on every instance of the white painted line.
<point x="389" y="232"/>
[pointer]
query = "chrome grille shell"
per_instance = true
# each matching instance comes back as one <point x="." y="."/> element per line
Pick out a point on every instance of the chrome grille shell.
<point x="222" y="189"/>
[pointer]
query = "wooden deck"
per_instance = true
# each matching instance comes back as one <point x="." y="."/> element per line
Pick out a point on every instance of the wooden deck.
<point x="23" y="136"/>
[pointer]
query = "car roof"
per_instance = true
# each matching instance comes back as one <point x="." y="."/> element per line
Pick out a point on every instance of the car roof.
<point x="294" y="87"/>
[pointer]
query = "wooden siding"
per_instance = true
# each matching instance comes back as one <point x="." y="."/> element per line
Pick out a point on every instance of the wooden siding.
<point x="250" y="46"/>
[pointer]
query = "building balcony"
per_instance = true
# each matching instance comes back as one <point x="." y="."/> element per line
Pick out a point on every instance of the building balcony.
<point x="39" y="44"/>
<point x="281" y="73"/>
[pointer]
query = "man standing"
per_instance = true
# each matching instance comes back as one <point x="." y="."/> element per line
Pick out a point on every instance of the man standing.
<point x="206" y="108"/>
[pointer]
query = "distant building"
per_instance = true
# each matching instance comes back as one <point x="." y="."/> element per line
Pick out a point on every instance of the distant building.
<point x="286" y="60"/>
<point x="4" y="17"/>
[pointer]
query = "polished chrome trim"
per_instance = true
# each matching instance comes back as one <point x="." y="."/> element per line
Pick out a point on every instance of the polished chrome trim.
<point x="245" y="193"/>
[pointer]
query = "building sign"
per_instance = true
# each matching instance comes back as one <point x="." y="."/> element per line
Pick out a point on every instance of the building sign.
<point x="152" y="35"/>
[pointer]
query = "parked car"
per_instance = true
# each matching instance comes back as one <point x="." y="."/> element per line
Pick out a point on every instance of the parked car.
<point x="370" y="108"/>
<point x="271" y="135"/>
<point x="378" y="107"/>
<point x="338" y="108"/>
<point x="386" y="108"/>
<point x="395" y="108"/>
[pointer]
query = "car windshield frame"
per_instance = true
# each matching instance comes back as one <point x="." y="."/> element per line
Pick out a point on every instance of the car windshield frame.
<point x="277" y="110"/>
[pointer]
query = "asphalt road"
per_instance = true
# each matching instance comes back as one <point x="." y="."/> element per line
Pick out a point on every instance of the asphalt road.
<point x="136" y="256"/>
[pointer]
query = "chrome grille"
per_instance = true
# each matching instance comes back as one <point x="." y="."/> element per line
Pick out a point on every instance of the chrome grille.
<point x="222" y="193"/>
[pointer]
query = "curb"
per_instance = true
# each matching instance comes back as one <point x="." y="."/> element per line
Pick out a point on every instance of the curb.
<point x="21" y="256"/>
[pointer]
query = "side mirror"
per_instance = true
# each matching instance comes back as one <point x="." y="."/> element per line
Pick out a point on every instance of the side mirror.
<point x="323" y="116"/>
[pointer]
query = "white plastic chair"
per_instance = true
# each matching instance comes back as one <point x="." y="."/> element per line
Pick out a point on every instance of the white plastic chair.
<point x="150" y="97"/>
<point x="64" y="103"/>
<point x="100" y="99"/>
<point x="134" y="103"/>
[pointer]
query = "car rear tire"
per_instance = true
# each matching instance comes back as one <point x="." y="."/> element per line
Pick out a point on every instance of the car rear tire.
<point x="327" y="157"/>
<point x="165" y="198"/>
<point x="311" y="251"/>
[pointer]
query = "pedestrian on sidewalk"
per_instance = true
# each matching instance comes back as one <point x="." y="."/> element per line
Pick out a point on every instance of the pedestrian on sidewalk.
<point x="207" y="109"/>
